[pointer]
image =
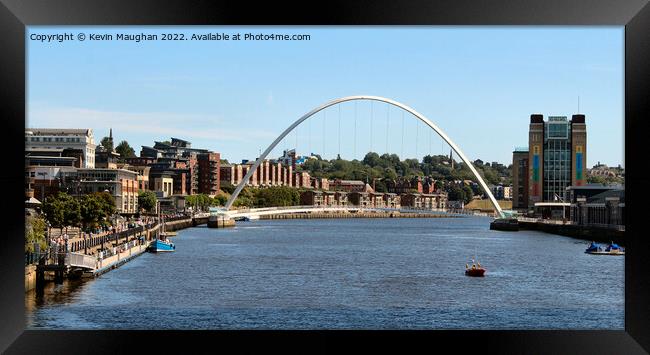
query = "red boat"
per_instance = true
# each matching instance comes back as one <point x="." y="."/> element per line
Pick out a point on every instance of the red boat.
<point x="475" y="270"/>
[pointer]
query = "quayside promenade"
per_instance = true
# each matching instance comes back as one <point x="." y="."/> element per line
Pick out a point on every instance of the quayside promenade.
<point x="89" y="256"/>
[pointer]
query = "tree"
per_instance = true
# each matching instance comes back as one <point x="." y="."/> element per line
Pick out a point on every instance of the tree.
<point x="371" y="159"/>
<point x="107" y="203"/>
<point x="54" y="209"/>
<point x="91" y="211"/>
<point x="107" y="143"/>
<point x="276" y="196"/>
<point x="199" y="202"/>
<point x="220" y="200"/>
<point x="227" y="187"/>
<point x="468" y="194"/>
<point x="125" y="150"/>
<point x="455" y="193"/>
<point x="147" y="200"/>
<point x="72" y="212"/>
<point x="596" y="179"/>
<point x="35" y="233"/>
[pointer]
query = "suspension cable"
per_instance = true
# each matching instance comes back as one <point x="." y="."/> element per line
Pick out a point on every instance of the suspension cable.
<point x="387" y="124"/>
<point x="417" y="133"/>
<point x="402" y="149"/>
<point x="339" y="154"/>
<point x="371" y="114"/>
<point x="355" y="129"/>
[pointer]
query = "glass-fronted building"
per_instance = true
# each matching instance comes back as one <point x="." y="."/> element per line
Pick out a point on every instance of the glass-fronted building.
<point x="556" y="156"/>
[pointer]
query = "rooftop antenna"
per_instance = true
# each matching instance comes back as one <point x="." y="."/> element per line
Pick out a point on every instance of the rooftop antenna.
<point x="578" y="103"/>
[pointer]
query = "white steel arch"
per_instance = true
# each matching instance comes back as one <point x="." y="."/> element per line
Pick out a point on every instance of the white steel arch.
<point x="421" y="117"/>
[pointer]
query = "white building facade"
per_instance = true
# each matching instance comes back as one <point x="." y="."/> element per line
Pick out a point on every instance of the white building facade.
<point x="56" y="139"/>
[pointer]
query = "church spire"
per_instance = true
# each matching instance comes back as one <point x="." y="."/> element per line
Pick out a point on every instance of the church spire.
<point x="110" y="138"/>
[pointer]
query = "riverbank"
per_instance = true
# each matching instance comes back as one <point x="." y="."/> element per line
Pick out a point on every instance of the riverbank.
<point x="588" y="233"/>
<point x="356" y="215"/>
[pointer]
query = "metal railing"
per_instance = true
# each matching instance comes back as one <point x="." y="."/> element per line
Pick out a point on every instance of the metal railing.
<point x="81" y="260"/>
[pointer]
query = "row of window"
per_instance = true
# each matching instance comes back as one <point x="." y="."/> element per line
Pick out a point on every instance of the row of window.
<point x="557" y="130"/>
<point x="563" y="155"/>
<point x="98" y="176"/>
<point x="53" y="139"/>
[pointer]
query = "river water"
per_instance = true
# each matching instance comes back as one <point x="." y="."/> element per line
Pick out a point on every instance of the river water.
<point x="344" y="274"/>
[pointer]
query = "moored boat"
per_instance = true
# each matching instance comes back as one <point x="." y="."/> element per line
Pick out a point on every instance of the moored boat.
<point x="599" y="249"/>
<point x="160" y="245"/>
<point x="594" y="248"/>
<point x="615" y="249"/>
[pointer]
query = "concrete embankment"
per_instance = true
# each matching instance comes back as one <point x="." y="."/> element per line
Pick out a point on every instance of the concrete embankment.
<point x="588" y="233"/>
<point x="116" y="260"/>
<point x="187" y="223"/>
<point x="355" y="215"/>
<point x="177" y="225"/>
<point x="30" y="277"/>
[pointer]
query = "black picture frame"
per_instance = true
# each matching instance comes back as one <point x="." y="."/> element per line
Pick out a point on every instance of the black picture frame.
<point x="16" y="14"/>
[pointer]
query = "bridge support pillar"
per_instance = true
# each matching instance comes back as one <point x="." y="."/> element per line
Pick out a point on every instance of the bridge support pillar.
<point x="40" y="276"/>
<point x="58" y="273"/>
<point x="221" y="223"/>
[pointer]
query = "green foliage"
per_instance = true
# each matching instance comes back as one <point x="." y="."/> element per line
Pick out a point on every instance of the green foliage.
<point x="91" y="211"/>
<point x="220" y="200"/>
<point x="468" y="194"/>
<point x="227" y="187"/>
<point x="125" y="150"/>
<point x="200" y="202"/>
<point x="95" y="208"/>
<point x="455" y="193"/>
<point x="54" y="209"/>
<point x="371" y="159"/>
<point x="147" y="200"/>
<point x="605" y="180"/>
<point x="390" y="166"/>
<point x="107" y="202"/>
<point x="72" y="212"/>
<point x="242" y="201"/>
<point x="63" y="210"/>
<point x="35" y="233"/>
<point x="107" y="143"/>
<point x="277" y="196"/>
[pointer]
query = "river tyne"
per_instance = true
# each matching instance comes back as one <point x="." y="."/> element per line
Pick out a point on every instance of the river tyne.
<point x="347" y="274"/>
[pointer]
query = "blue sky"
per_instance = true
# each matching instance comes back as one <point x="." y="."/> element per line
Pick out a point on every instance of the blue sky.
<point x="478" y="84"/>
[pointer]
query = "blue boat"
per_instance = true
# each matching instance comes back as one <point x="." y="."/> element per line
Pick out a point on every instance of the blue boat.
<point x="162" y="243"/>
<point x="615" y="249"/>
<point x="594" y="248"/>
<point x="159" y="245"/>
<point x="599" y="249"/>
